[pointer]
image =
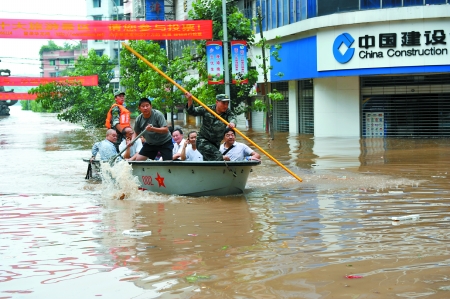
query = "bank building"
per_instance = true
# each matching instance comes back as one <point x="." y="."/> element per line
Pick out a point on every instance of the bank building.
<point x="359" y="68"/>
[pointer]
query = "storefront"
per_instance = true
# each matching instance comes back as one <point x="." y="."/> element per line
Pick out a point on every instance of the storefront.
<point x="377" y="77"/>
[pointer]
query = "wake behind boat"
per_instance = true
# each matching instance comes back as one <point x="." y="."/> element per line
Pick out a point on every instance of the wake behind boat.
<point x="211" y="178"/>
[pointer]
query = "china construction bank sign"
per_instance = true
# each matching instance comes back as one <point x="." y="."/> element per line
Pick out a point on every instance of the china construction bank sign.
<point x="390" y="45"/>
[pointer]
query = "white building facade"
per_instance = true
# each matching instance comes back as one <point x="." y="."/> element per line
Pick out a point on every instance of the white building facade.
<point x="369" y="72"/>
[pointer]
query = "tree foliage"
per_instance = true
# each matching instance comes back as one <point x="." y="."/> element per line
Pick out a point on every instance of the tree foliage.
<point x="86" y="105"/>
<point x="239" y="28"/>
<point x="141" y="80"/>
<point x="52" y="46"/>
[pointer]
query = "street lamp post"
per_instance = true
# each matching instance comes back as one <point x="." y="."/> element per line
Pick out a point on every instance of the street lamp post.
<point x="118" y="41"/>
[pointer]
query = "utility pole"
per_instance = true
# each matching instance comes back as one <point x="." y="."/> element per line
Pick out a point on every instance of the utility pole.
<point x="118" y="41"/>
<point x="225" y="47"/>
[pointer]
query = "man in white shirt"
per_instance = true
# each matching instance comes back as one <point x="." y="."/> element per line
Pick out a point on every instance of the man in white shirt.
<point x="132" y="150"/>
<point x="189" y="151"/>
<point x="236" y="151"/>
<point x="177" y="136"/>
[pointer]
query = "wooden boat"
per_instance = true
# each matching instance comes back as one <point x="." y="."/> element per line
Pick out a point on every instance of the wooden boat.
<point x="212" y="178"/>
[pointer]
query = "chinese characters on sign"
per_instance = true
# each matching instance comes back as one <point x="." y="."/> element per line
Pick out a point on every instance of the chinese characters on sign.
<point x="106" y="30"/>
<point x="214" y="60"/>
<point x="30" y="81"/>
<point x="239" y="62"/>
<point x="407" y="39"/>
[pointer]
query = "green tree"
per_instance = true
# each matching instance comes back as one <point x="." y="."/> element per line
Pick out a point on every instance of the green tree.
<point x="142" y="81"/>
<point x="268" y="97"/>
<point x="239" y="28"/>
<point x="86" y="105"/>
<point x="50" y="46"/>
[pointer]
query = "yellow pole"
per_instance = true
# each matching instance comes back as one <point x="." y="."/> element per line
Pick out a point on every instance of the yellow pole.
<point x="208" y="109"/>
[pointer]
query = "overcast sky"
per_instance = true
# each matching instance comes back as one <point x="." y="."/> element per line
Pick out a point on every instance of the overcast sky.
<point x="21" y="56"/>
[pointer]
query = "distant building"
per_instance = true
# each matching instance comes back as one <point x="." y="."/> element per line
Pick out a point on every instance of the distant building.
<point x="54" y="63"/>
<point x="109" y="10"/>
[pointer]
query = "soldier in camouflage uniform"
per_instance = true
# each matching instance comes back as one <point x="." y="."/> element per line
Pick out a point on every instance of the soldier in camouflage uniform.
<point x="211" y="131"/>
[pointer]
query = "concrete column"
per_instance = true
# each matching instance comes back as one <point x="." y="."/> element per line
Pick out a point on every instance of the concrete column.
<point x="293" y="107"/>
<point x="336" y="107"/>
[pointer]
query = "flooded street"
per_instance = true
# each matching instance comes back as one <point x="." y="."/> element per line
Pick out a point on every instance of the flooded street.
<point x="331" y="236"/>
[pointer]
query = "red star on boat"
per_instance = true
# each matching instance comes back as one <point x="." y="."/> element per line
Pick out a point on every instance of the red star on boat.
<point x="160" y="180"/>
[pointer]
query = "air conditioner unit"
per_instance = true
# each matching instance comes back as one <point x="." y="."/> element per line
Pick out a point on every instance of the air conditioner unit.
<point x="56" y="67"/>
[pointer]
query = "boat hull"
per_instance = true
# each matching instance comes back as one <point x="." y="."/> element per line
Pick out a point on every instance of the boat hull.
<point x="208" y="178"/>
<point x="193" y="178"/>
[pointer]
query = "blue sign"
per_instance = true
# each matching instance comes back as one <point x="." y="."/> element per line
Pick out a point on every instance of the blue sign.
<point x="347" y="40"/>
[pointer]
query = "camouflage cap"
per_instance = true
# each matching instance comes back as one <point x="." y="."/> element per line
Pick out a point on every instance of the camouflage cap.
<point x="223" y="98"/>
<point x="119" y="92"/>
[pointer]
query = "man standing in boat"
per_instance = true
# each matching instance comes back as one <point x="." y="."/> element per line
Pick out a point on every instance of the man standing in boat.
<point x="236" y="151"/>
<point x="212" y="129"/>
<point x="118" y="117"/>
<point x="157" y="135"/>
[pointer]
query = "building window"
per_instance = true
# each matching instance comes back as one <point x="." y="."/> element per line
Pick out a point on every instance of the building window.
<point x="412" y="2"/>
<point x="115" y="16"/>
<point x="392" y="3"/>
<point x="97" y="18"/>
<point x="53" y="74"/>
<point x="370" y="4"/>
<point x="118" y="2"/>
<point x="99" y="52"/>
<point x="115" y="85"/>
<point x="328" y="7"/>
<point x="52" y="62"/>
<point x="97" y="3"/>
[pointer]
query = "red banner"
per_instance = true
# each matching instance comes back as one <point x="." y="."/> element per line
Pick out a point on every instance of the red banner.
<point x="4" y="96"/>
<point x="105" y="30"/>
<point x="36" y="81"/>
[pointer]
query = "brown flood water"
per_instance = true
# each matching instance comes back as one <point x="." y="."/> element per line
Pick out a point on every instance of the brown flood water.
<point x="330" y="236"/>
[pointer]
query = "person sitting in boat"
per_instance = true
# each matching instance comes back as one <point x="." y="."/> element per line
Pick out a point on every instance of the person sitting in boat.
<point x="236" y="151"/>
<point x="157" y="136"/>
<point x="106" y="148"/>
<point x="211" y="131"/>
<point x="177" y="136"/>
<point x="189" y="151"/>
<point x="131" y="149"/>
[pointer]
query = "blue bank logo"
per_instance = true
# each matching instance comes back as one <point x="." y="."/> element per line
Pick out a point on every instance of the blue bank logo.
<point x="347" y="40"/>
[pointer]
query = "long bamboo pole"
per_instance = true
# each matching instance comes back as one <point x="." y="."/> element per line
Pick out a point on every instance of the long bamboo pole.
<point x="208" y="109"/>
